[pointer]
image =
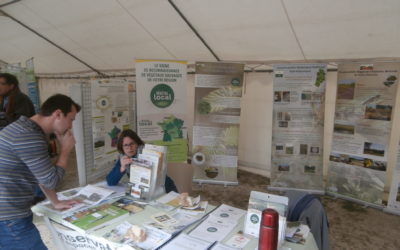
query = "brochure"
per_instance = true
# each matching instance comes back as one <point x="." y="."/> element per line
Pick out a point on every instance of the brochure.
<point x="184" y="242"/>
<point x="94" y="218"/>
<point x="228" y="212"/>
<point x="88" y="196"/>
<point x="213" y="229"/>
<point x="129" y="205"/>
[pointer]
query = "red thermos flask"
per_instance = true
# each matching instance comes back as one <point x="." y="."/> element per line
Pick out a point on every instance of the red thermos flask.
<point x="268" y="239"/>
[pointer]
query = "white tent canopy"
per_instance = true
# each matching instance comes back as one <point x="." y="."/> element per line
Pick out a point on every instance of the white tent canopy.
<point x="106" y="34"/>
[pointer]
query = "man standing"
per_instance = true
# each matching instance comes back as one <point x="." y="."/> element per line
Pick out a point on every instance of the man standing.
<point x="13" y="103"/>
<point x="25" y="162"/>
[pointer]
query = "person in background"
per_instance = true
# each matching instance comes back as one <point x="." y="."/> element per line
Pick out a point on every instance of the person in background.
<point x="25" y="163"/>
<point x="13" y="103"/>
<point x="128" y="144"/>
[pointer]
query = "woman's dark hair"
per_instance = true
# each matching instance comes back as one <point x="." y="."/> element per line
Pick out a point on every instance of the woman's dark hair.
<point x="10" y="80"/>
<point x="131" y="134"/>
<point x="58" y="101"/>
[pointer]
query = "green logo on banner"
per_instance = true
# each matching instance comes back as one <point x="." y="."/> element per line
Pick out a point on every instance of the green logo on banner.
<point x="162" y="95"/>
<point x="254" y="219"/>
<point x="235" y="82"/>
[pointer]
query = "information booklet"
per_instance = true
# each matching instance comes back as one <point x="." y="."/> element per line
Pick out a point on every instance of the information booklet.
<point x="94" y="218"/>
<point x="257" y="203"/>
<point x="147" y="173"/>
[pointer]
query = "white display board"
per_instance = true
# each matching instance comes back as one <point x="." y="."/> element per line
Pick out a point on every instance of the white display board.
<point x="362" y="128"/>
<point x="218" y="91"/>
<point x="298" y="126"/>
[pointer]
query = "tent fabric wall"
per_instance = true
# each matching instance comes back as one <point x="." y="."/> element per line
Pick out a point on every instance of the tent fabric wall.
<point x="111" y="34"/>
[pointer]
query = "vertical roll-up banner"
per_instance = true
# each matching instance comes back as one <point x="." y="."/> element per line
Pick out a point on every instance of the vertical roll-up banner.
<point x="110" y="116"/>
<point x="362" y="125"/>
<point x="161" y="105"/>
<point x="394" y="195"/>
<point x="218" y="89"/>
<point x="298" y="126"/>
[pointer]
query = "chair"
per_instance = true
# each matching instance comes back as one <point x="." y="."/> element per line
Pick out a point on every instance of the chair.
<point x="182" y="174"/>
<point x="308" y="209"/>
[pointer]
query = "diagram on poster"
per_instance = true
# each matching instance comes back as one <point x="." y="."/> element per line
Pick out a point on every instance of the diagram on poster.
<point x="218" y="89"/>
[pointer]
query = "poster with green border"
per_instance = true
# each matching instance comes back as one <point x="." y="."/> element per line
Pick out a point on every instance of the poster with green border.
<point x="161" y="105"/>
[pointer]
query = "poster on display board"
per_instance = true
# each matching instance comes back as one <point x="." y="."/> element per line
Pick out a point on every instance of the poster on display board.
<point x="362" y="126"/>
<point x="110" y="116"/>
<point x="394" y="195"/>
<point x="298" y="126"/>
<point x="218" y="90"/>
<point x="161" y="105"/>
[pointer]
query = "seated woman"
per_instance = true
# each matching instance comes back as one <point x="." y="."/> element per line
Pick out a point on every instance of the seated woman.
<point x="128" y="144"/>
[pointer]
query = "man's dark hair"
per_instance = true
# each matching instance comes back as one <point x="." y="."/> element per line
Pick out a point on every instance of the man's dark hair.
<point x="58" y="101"/>
<point x="131" y="134"/>
<point x="10" y="79"/>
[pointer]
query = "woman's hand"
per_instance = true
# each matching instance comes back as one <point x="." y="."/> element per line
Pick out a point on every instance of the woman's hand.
<point x="125" y="162"/>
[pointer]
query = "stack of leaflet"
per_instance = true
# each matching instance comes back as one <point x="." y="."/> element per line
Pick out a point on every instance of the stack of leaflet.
<point x="147" y="173"/>
<point x="219" y="224"/>
<point x="183" y="202"/>
<point x="87" y="196"/>
<point x="257" y="203"/>
<point x="296" y="232"/>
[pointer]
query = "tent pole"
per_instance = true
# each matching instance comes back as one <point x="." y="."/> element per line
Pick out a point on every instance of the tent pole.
<point x="194" y="30"/>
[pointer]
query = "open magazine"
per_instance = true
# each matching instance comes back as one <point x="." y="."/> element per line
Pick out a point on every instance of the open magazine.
<point x="88" y="196"/>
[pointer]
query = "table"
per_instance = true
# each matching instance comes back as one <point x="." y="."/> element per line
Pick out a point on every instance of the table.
<point x="70" y="239"/>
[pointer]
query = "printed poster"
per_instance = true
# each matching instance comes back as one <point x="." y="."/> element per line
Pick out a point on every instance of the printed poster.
<point x="298" y="126"/>
<point x="110" y="116"/>
<point x="218" y="90"/>
<point x="362" y="125"/>
<point x="161" y="105"/>
<point x="394" y="195"/>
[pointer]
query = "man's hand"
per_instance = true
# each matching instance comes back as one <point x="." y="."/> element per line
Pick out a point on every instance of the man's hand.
<point x="65" y="204"/>
<point x="66" y="140"/>
<point x="125" y="162"/>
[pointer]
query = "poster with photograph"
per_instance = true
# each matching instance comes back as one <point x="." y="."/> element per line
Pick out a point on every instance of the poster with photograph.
<point x="362" y="126"/>
<point x="161" y="105"/>
<point x="394" y="195"/>
<point x="110" y="116"/>
<point x="218" y="89"/>
<point x="298" y="126"/>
